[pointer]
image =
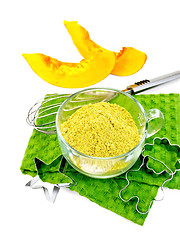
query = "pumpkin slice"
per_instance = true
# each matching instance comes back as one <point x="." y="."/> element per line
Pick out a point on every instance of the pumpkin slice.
<point x="128" y="61"/>
<point x="72" y="75"/>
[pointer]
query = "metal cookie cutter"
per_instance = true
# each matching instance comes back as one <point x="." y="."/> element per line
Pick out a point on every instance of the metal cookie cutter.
<point x="158" y="141"/>
<point x="56" y="187"/>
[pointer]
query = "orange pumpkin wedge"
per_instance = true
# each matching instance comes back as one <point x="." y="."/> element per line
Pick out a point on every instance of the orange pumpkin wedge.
<point x="128" y="61"/>
<point x="72" y="75"/>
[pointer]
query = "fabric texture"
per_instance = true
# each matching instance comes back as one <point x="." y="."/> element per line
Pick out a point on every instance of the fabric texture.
<point x="105" y="192"/>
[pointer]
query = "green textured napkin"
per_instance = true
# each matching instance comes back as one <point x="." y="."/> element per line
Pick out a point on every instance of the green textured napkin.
<point x="105" y="192"/>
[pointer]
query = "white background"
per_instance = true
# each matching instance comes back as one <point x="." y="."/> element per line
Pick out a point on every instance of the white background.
<point x="37" y="26"/>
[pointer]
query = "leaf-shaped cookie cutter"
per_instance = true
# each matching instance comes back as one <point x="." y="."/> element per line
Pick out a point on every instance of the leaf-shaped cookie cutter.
<point x="145" y="163"/>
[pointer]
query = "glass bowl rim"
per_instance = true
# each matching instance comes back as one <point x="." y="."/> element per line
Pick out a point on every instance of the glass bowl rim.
<point x="101" y="158"/>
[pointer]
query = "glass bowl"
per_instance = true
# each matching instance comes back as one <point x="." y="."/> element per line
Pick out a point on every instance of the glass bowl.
<point x="97" y="167"/>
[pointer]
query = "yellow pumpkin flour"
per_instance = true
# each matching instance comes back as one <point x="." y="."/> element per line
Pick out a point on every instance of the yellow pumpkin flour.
<point x="101" y="130"/>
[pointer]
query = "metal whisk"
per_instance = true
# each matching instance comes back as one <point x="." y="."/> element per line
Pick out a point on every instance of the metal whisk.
<point x="44" y="111"/>
<point x="42" y="114"/>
